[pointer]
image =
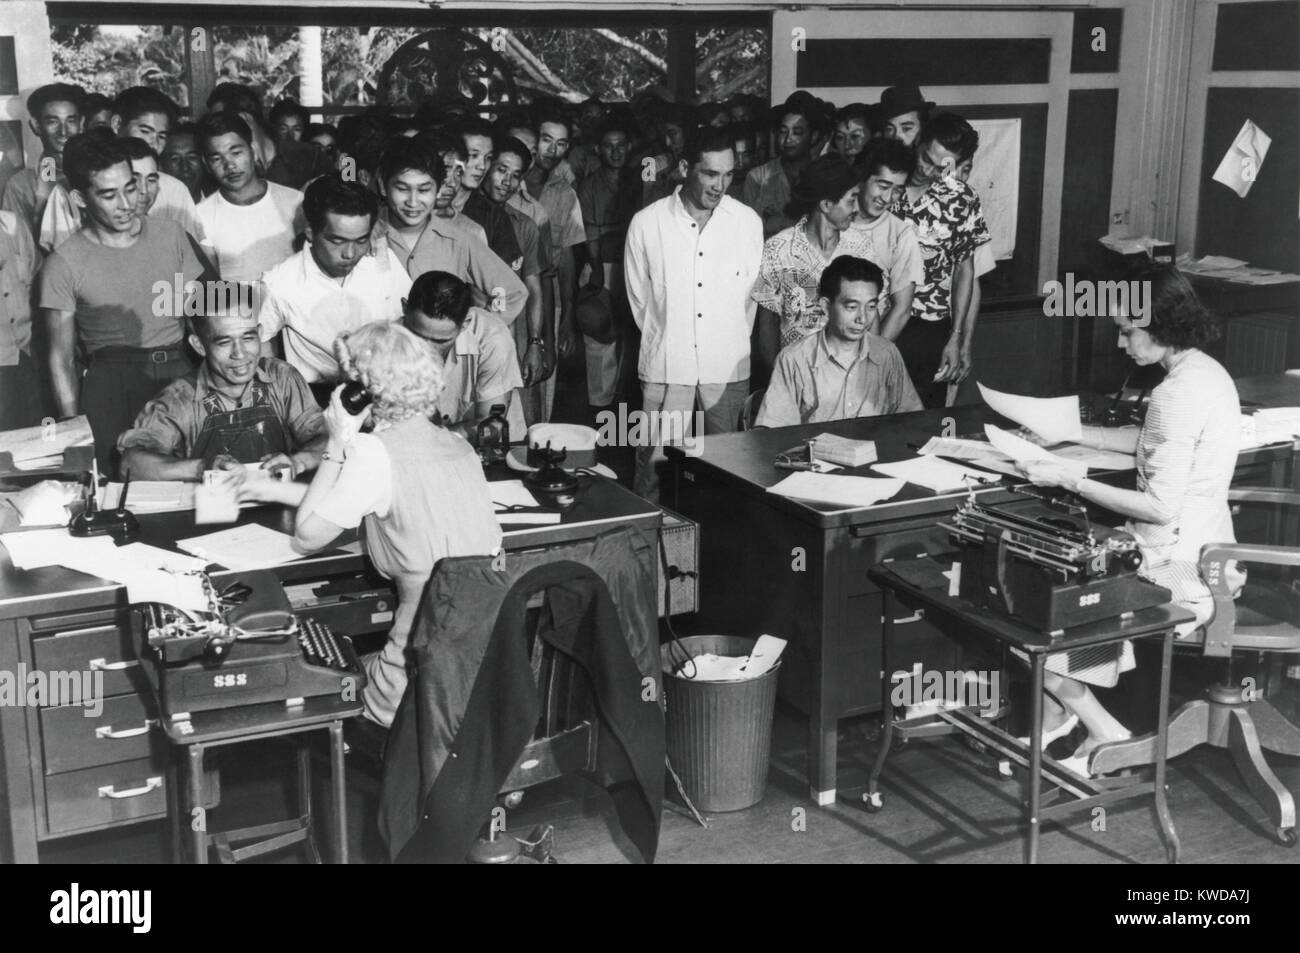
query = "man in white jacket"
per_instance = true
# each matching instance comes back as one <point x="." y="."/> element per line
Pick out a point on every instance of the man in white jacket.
<point x="691" y="259"/>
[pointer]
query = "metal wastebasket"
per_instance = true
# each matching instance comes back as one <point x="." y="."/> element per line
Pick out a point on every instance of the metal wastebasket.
<point x="719" y="733"/>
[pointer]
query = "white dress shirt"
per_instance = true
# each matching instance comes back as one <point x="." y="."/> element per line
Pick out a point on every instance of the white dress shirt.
<point x="689" y="290"/>
<point x="312" y="309"/>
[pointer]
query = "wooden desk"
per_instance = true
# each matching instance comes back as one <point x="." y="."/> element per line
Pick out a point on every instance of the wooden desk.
<point x="55" y="764"/>
<point x="799" y="571"/>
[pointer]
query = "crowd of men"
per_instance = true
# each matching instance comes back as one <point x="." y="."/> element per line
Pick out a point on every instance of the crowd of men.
<point x="182" y="283"/>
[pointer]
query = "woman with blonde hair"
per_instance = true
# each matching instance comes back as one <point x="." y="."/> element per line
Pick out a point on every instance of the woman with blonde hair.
<point x="416" y="490"/>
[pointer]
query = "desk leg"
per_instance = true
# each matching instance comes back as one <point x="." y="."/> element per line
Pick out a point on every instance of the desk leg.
<point x="1036" y="754"/>
<point x="339" y="779"/>
<point x="1167" y="832"/>
<point x="872" y="798"/>
<point x="198" y="822"/>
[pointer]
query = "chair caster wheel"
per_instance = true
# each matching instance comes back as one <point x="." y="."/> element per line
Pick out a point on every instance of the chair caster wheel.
<point x="898" y="743"/>
<point x="1004" y="768"/>
<point x="873" y="801"/>
<point x="1287" y="836"/>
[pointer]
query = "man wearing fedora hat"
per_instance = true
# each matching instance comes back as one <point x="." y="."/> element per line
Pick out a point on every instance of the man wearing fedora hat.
<point x="903" y="112"/>
<point x="800" y="124"/>
<point x="824" y="201"/>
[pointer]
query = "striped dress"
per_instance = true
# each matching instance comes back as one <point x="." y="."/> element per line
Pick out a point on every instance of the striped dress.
<point x="1186" y="454"/>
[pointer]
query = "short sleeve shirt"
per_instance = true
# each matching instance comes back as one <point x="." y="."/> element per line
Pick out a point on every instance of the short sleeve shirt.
<point x="481" y="365"/>
<point x="810" y="385"/>
<point x="123" y="296"/>
<point x="18" y="264"/>
<point x="949" y="227"/>
<point x="890" y="242"/>
<point x="788" y="276"/>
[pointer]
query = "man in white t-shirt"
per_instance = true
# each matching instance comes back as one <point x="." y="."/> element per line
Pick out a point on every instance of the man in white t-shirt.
<point x="249" y="223"/>
<point x="335" y="284"/>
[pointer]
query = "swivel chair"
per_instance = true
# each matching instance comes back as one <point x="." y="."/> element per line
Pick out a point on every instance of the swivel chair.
<point x="1235" y="715"/>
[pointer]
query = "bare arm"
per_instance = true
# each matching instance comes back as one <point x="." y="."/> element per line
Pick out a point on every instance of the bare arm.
<point x="900" y="309"/>
<point x="147" y="465"/>
<point x="61" y="337"/>
<point x="769" y="336"/>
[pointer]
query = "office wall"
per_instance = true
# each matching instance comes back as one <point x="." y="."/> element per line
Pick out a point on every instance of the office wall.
<point x="1245" y="65"/>
<point x="29" y="26"/>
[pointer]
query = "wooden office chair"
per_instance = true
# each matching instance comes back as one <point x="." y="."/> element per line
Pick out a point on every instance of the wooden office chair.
<point x="749" y="413"/>
<point x="1236" y="714"/>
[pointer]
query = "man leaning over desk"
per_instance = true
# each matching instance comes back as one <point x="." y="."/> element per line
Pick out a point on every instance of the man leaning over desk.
<point x="237" y="410"/>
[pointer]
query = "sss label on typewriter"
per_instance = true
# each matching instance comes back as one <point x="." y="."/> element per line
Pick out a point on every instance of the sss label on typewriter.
<point x="248" y="648"/>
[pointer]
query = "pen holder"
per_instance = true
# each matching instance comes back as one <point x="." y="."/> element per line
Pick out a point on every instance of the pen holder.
<point x="121" y="525"/>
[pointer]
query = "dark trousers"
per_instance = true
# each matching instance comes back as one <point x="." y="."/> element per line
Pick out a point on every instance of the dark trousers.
<point x="117" y="385"/>
<point x="20" y="394"/>
<point x="921" y="345"/>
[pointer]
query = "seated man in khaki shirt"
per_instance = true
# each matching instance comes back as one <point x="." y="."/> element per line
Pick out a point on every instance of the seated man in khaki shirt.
<point x="843" y="370"/>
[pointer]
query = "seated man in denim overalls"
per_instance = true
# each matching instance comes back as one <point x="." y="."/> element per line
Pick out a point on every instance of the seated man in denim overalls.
<point x="237" y="411"/>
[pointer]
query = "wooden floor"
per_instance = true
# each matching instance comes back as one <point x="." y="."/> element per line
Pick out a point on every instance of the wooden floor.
<point x="944" y="803"/>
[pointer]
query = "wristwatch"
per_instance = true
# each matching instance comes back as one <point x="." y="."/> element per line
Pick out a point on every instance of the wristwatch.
<point x="537" y="340"/>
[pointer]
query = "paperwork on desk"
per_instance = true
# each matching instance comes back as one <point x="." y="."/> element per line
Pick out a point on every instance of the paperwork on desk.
<point x="847" y="492"/>
<point x="1233" y="269"/>
<point x="1055" y="419"/>
<point x="1269" y="425"/>
<point x="979" y="453"/>
<point x="507" y="493"/>
<point x="41" y="446"/>
<point x="242" y="548"/>
<point x="150" y="496"/>
<point x="95" y="555"/>
<point x="931" y="473"/>
<point x="1022" y="451"/>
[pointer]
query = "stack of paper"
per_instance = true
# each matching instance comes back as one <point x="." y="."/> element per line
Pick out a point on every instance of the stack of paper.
<point x="849" y="492"/>
<point x="934" y="474"/>
<point x="43" y="445"/>
<point x="842" y="450"/>
<point x="150" y="496"/>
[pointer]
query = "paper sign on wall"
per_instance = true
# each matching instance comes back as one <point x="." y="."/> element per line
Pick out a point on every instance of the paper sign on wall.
<point x="1241" y="164"/>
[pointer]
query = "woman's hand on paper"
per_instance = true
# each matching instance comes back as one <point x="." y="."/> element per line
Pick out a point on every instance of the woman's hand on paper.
<point x="1052" y="473"/>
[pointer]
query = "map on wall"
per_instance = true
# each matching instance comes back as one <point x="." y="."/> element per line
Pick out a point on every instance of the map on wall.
<point x="8" y="67"/>
<point x="995" y="177"/>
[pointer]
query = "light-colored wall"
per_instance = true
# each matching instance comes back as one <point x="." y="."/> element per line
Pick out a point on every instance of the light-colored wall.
<point x="28" y="23"/>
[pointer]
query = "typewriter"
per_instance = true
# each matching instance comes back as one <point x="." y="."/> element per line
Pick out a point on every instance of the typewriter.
<point x="247" y="648"/>
<point x="1046" y="564"/>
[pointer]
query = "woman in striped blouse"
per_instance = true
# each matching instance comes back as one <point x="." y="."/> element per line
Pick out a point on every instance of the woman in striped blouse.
<point x="1186" y="452"/>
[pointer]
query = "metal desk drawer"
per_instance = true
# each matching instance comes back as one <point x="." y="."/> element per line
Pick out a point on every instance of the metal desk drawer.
<point x="126" y="729"/>
<point x="105" y="647"/>
<point x="95" y="797"/>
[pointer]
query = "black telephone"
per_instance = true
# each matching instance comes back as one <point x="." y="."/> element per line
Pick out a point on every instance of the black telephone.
<point x="355" y="398"/>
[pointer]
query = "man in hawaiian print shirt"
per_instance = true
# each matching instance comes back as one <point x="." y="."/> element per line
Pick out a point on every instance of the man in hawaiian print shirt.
<point x="824" y="201"/>
<point x="949" y="227"/>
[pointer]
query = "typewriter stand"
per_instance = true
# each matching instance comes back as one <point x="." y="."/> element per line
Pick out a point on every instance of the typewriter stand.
<point x="231" y="726"/>
<point x="1011" y="633"/>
